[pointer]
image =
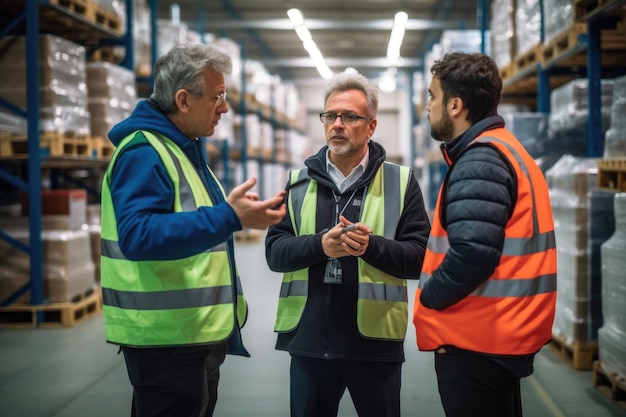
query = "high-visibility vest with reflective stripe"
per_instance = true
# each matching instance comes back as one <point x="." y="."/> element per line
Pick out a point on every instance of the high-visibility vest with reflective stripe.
<point x="382" y="306"/>
<point x="173" y="302"/>
<point x="512" y="312"/>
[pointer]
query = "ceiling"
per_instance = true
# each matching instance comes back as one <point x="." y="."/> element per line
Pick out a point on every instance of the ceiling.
<point x="348" y="33"/>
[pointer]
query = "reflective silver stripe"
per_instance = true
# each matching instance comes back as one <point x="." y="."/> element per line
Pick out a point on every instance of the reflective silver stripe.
<point x="508" y="287"/>
<point x="424" y="277"/>
<point x="167" y="300"/>
<point x="296" y="195"/>
<point x="111" y="249"/>
<point x="528" y="245"/>
<point x="187" y="200"/>
<point x="383" y="292"/>
<point x="294" y="288"/>
<point x="391" y="179"/>
<point x="517" y="287"/>
<point x="438" y="244"/>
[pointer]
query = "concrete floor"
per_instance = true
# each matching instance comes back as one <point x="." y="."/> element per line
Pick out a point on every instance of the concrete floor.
<point x="72" y="372"/>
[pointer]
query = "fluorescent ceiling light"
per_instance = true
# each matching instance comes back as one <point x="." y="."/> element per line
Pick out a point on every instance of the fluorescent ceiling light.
<point x="396" y="38"/>
<point x="297" y="19"/>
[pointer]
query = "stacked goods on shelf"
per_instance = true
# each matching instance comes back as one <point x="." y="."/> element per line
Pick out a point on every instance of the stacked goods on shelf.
<point x="615" y="137"/>
<point x="531" y="129"/>
<point x="567" y="125"/>
<point x="558" y="16"/>
<point x="68" y="269"/>
<point x="612" y="334"/>
<point x="112" y="96"/>
<point x="527" y="34"/>
<point x="583" y="217"/>
<point x="502" y="40"/>
<point x="62" y="78"/>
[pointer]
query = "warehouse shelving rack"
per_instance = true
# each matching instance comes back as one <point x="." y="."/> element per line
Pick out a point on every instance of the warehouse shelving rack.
<point x="30" y="18"/>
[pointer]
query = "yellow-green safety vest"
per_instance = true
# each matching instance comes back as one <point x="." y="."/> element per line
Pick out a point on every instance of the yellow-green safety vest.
<point x="382" y="306"/>
<point x="173" y="302"/>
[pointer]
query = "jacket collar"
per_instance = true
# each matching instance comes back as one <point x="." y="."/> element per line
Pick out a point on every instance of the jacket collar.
<point x="451" y="150"/>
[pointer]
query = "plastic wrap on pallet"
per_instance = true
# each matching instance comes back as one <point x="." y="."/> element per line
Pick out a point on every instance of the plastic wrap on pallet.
<point x="11" y="123"/>
<point x="557" y="15"/>
<point x="502" y="39"/>
<point x="530" y="129"/>
<point x="232" y="48"/>
<point x="527" y="24"/>
<point x="68" y="269"/>
<point x="62" y="81"/>
<point x="612" y="335"/>
<point x="112" y="95"/>
<point x="615" y="137"/>
<point x="583" y="218"/>
<point x="462" y="41"/>
<point x="570" y="105"/>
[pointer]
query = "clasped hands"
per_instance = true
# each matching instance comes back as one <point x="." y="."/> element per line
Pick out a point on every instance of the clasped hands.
<point x="252" y="212"/>
<point x="346" y="238"/>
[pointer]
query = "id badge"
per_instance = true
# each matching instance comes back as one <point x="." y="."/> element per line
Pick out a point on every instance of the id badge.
<point x="334" y="272"/>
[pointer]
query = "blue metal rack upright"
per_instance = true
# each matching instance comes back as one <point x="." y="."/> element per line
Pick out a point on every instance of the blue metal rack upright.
<point x="27" y="13"/>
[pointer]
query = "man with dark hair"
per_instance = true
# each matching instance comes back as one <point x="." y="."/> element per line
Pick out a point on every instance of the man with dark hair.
<point x="486" y="297"/>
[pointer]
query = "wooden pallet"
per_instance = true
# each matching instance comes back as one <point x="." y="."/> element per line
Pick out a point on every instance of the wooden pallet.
<point x="612" y="174"/>
<point x="51" y="144"/>
<point x="507" y="71"/>
<point x="527" y="59"/>
<point x="66" y="314"/>
<point x="562" y="42"/>
<point x="609" y="383"/>
<point x="101" y="148"/>
<point x="92" y="11"/>
<point x="584" y="7"/>
<point x="580" y="355"/>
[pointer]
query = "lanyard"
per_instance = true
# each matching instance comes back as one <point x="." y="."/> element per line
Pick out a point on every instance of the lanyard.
<point x="337" y="199"/>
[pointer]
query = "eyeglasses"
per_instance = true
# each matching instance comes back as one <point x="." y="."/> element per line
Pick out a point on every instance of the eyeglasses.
<point x="219" y="99"/>
<point x="347" y="119"/>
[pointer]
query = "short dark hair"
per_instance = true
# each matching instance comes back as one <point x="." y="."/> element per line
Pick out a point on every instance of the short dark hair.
<point x="474" y="78"/>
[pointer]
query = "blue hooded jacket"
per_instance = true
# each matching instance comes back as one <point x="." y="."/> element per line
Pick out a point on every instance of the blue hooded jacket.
<point x="143" y="197"/>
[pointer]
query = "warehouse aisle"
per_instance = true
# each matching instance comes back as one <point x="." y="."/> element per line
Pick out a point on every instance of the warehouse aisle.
<point x="72" y="372"/>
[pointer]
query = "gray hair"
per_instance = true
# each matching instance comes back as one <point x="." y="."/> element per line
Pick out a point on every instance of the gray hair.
<point x="183" y="67"/>
<point x="354" y="81"/>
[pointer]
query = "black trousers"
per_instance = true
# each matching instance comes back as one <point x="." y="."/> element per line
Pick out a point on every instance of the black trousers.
<point x="317" y="386"/>
<point x="474" y="385"/>
<point x="174" y="382"/>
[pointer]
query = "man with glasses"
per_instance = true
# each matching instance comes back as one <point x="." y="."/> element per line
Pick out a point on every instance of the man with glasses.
<point x="171" y="293"/>
<point x="356" y="230"/>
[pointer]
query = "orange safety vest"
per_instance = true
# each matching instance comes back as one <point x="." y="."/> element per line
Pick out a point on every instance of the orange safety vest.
<point x="512" y="312"/>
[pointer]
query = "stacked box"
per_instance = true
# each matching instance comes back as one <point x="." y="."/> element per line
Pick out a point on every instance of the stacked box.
<point x="68" y="270"/>
<point x="527" y="25"/>
<point x="62" y="82"/>
<point x="112" y="95"/>
<point x="612" y="334"/>
<point x="615" y="137"/>
<point x="558" y="15"/>
<point x="502" y="39"/>
<point x="583" y="218"/>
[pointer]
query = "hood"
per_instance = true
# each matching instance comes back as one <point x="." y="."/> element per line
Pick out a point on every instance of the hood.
<point x="454" y="148"/>
<point x="147" y="116"/>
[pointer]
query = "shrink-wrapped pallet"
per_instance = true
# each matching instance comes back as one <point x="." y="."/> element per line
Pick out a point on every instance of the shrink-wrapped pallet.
<point x="615" y="137"/>
<point x="112" y="95"/>
<point x="612" y="334"/>
<point x="583" y="219"/>
<point x="502" y="38"/>
<point x="62" y="82"/>
<point x="68" y="270"/>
